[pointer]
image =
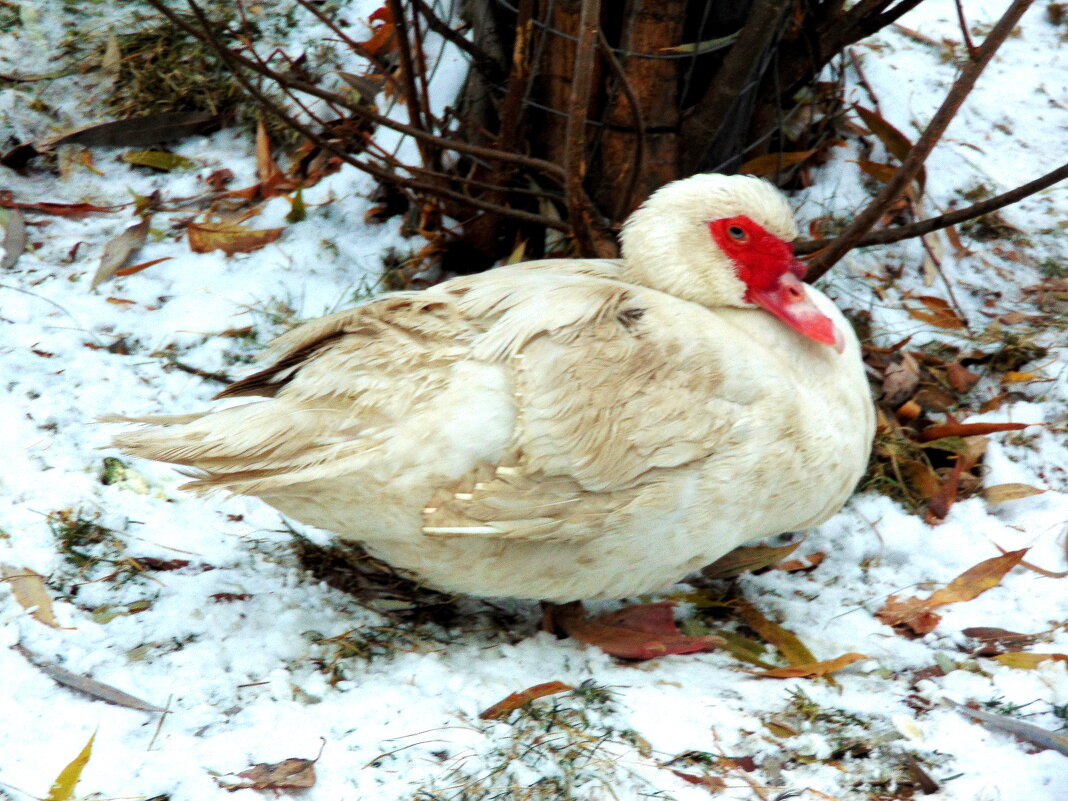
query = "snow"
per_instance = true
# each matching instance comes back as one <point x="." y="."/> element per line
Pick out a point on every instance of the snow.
<point x="237" y="645"/>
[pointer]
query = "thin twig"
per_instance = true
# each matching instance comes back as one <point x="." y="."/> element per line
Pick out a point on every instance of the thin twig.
<point x="862" y="77"/>
<point x="922" y="227"/>
<point x="964" y="30"/>
<point x="904" y="175"/>
<point x="409" y="80"/>
<point x="481" y="58"/>
<point x="945" y="281"/>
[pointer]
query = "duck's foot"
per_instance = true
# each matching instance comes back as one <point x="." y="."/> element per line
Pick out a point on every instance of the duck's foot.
<point x="642" y="631"/>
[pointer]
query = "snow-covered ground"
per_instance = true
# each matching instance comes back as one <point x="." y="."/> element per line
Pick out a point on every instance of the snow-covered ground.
<point x="256" y="661"/>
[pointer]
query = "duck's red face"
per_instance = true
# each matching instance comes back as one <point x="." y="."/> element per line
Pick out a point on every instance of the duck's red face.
<point x="772" y="277"/>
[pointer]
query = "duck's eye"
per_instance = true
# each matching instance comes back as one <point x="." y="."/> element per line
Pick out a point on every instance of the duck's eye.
<point x="737" y="233"/>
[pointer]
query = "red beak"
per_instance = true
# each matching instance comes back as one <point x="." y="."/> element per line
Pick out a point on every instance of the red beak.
<point x="788" y="301"/>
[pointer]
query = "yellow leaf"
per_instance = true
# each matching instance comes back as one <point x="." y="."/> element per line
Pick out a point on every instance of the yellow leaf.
<point x="518" y="253"/>
<point x="1014" y="377"/>
<point x="30" y="591"/>
<point x="158" y="160"/>
<point x="1000" y="493"/>
<point x="940" y="319"/>
<point x="771" y="163"/>
<point x="792" y="649"/>
<point x="813" y="669"/>
<point x="63" y="787"/>
<point x="976" y="580"/>
<point x="1028" y="661"/>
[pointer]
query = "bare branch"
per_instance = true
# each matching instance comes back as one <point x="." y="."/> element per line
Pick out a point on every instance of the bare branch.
<point x="825" y="259"/>
<point x="637" y="167"/>
<point x="927" y="226"/>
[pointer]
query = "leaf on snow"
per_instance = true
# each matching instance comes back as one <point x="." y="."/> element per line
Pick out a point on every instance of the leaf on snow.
<point x="86" y="685"/>
<point x="893" y="140"/>
<point x="916" y="615"/>
<point x="1028" y="661"/>
<point x="158" y="160"/>
<point x="118" y="250"/>
<point x="522" y="698"/>
<point x="14" y="237"/>
<point x="137" y="131"/>
<point x="967" y="430"/>
<point x="812" y="670"/>
<point x="748" y="558"/>
<point x="289" y="774"/>
<point x="63" y="787"/>
<point x="30" y="592"/>
<point x="1000" y="493"/>
<point x="230" y="238"/>
<point x="771" y="163"/>
<point x="1017" y="728"/>
<point x="790" y="646"/>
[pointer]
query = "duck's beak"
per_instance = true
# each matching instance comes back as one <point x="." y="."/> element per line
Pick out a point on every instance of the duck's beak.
<point x="789" y="301"/>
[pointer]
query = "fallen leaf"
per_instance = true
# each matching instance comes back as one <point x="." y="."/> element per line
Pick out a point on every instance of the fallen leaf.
<point x="137" y="131"/>
<point x="230" y="238"/>
<point x="289" y="774"/>
<point x="967" y="430"/>
<point x="895" y="142"/>
<point x="31" y="593"/>
<point x="121" y="301"/>
<point x="267" y="168"/>
<point x="14" y="243"/>
<point x="940" y="315"/>
<point x="86" y="685"/>
<point x="960" y="378"/>
<point x="877" y="170"/>
<point x="1015" y="377"/>
<point x="297" y="211"/>
<point x="921" y="477"/>
<point x="1028" y="661"/>
<point x="382" y="36"/>
<point x="999" y="640"/>
<point x="747" y="558"/>
<point x="812" y="670"/>
<point x="788" y="644"/>
<point x="915" y="615"/>
<point x="136" y="268"/>
<point x="939" y="504"/>
<point x="73" y="210"/>
<point x="706" y="46"/>
<point x="118" y="250"/>
<point x="1035" y="568"/>
<point x="771" y="163"/>
<point x="63" y="787"/>
<point x="1017" y="728"/>
<point x="711" y="783"/>
<point x="158" y="160"/>
<point x="805" y="563"/>
<point x="1000" y="493"/>
<point x="522" y="698"/>
<point x="900" y="380"/>
<point x="920" y="777"/>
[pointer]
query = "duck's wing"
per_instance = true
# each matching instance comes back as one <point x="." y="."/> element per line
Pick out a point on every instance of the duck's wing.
<point x="571" y="389"/>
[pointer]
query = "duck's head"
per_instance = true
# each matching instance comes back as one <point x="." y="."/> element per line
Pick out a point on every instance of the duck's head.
<point x="724" y="240"/>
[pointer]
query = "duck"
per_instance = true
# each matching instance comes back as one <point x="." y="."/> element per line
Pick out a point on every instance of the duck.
<point x="562" y="430"/>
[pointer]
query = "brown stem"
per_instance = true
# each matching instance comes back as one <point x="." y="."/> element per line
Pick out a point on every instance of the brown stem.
<point x="410" y="81"/>
<point x="706" y="120"/>
<point x="578" y="203"/>
<point x="481" y="59"/>
<point x="637" y="167"/>
<point x="236" y="60"/>
<point x="922" y="227"/>
<point x="904" y="175"/>
<point x="964" y="29"/>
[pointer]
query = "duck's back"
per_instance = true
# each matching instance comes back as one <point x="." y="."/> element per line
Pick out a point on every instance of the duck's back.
<point x="545" y="431"/>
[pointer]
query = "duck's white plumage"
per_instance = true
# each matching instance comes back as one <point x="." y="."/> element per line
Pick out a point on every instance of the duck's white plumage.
<point x="562" y="429"/>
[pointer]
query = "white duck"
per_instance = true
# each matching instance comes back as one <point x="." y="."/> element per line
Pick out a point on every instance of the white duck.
<point x="563" y="429"/>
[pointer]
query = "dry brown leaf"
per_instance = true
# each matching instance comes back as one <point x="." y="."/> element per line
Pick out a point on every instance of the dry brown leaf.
<point x="86" y="685"/>
<point x="813" y="670"/>
<point x="30" y="592"/>
<point x="960" y="378"/>
<point x="266" y="167"/>
<point x="713" y="784"/>
<point x="877" y="170"/>
<point x="893" y="140"/>
<point x="771" y="163"/>
<point x="73" y="210"/>
<point x="916" y="616"/>
<point x="1028" y="661"/>
<point x="137" y="131"/>
<point x="522" y="698"/>
<point x="748" y="558"/>
<point x="136" y="268"/>
<point x="1035" y="735"/>
<point x="1000" y="493"/>
<point x="790" y="646"/>
<point x="1016" y="377"/>
<point x="900" y="380"/>
<point x="119" y="249"/>
<point x="382" y="36"/>
<point x="230" y="238"/>
<point x="921" y="477"/>
<point x="289" y="774"/>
